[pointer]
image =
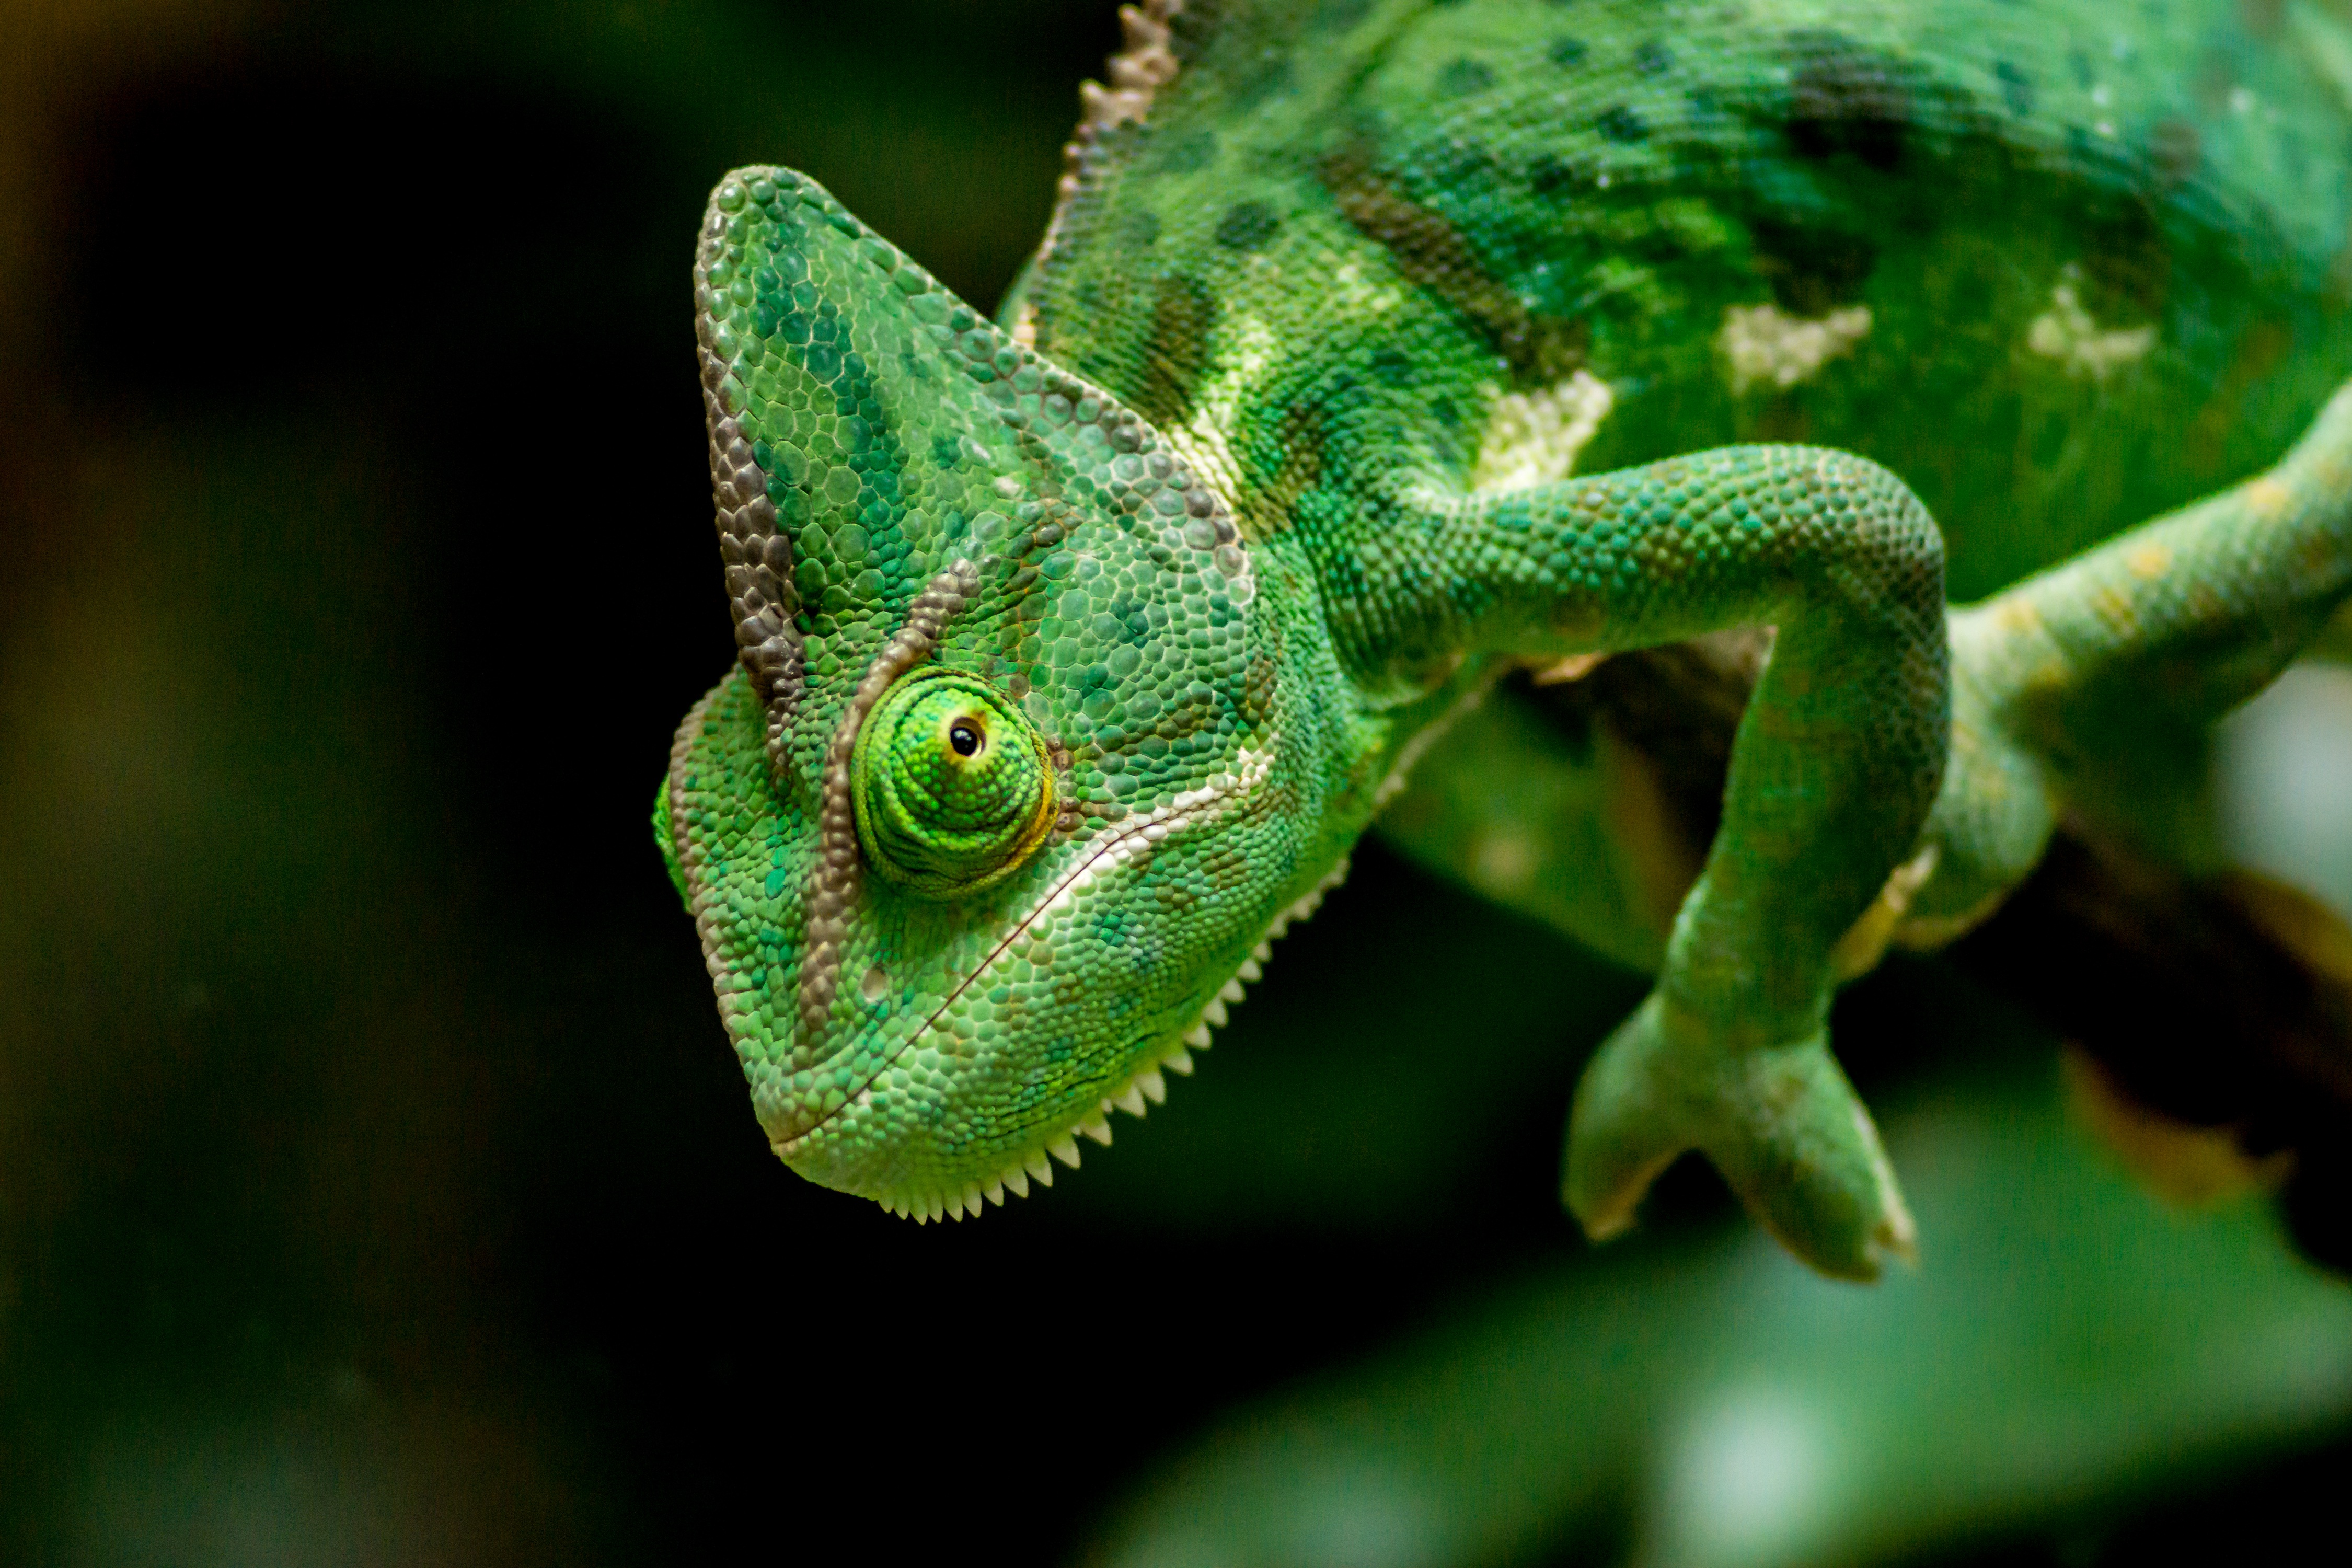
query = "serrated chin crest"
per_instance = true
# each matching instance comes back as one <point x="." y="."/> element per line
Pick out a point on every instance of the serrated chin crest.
<point x="1144" y="1087"/>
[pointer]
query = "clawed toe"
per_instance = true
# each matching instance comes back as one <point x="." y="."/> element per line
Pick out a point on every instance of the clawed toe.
<point x="1780" y="1121"/>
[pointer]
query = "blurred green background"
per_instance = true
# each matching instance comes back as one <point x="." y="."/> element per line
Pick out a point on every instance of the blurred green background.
<point x="376" y="1184"/>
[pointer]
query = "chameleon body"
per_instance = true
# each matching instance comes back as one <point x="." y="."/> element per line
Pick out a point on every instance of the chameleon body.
<point x="1379" y="347"/>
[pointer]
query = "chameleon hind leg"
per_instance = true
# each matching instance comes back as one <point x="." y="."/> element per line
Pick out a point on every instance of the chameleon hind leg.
<point x="1834" y="769"/>
<point x="2140" y="641"/>
<point x="2128" y="650"/>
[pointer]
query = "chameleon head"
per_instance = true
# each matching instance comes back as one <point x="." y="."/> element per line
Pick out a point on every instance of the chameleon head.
<point x="992" y="811"/>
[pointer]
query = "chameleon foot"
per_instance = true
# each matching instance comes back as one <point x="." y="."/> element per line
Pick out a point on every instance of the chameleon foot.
<point x="1780" y="1121"/>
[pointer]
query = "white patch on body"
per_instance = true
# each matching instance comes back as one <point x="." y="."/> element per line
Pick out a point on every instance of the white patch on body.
<point x="1362" y="299"/>
<point x="1767" y="345"/>
<point x="2067" y="334"/>
<point x="1533" y="438"/>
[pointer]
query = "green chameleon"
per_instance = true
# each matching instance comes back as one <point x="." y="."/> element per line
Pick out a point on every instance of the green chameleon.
<point x="1380" y="349"/>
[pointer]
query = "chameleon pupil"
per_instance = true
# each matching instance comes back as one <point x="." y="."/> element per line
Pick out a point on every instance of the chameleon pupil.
<point x="963" y="738"/>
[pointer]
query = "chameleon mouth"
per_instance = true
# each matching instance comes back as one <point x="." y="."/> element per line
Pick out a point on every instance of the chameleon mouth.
<point x="1216" y="799"/>
<point x="1144" y="1087"/>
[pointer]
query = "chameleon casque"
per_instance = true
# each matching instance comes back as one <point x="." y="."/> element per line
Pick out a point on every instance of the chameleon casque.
<point x="1382" y="350"/>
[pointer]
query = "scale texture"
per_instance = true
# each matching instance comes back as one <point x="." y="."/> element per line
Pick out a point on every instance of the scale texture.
<point x="1381" y="348"/>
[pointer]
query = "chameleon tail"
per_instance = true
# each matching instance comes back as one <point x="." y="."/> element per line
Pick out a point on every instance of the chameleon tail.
<point x="1780" y="1121"/>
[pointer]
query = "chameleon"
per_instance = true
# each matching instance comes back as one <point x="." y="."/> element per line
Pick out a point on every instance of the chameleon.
<point x="1981" y="363"/>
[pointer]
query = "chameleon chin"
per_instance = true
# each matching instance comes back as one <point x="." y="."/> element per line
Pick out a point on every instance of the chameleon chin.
<point x="1376" y="352"/>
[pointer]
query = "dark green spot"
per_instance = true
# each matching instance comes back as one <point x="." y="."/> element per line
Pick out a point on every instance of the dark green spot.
<point x="1182" y="314"/>
<point x="2016" y="88"/>
<point x="1391" y="367"/>
<point x="1547" y="174"/>
<point x="1462" y="76"/>
<point x="1137" y="228"/>
<point x="1247" y="226"/>
<point x="1621" y="124"/>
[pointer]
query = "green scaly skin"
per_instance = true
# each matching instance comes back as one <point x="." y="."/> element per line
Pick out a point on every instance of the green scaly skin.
<point x="1379" y="344"/>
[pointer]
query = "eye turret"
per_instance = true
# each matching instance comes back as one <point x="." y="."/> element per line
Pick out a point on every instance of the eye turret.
<point x="953" y="785"/>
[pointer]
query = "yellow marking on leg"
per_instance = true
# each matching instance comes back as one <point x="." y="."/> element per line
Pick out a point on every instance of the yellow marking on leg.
<point x="2151" y="561"/>
<point x="2116" y="609"/>
<point x="2267" y="500"/>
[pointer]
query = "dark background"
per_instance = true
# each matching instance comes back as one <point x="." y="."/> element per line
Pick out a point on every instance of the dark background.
<point x="375" y="1182"/>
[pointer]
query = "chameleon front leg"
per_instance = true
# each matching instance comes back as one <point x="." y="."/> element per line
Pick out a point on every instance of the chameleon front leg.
<point x="1833" y="773"/>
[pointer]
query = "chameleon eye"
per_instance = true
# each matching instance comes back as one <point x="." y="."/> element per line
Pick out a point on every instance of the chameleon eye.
<point x="953" y="785"/>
